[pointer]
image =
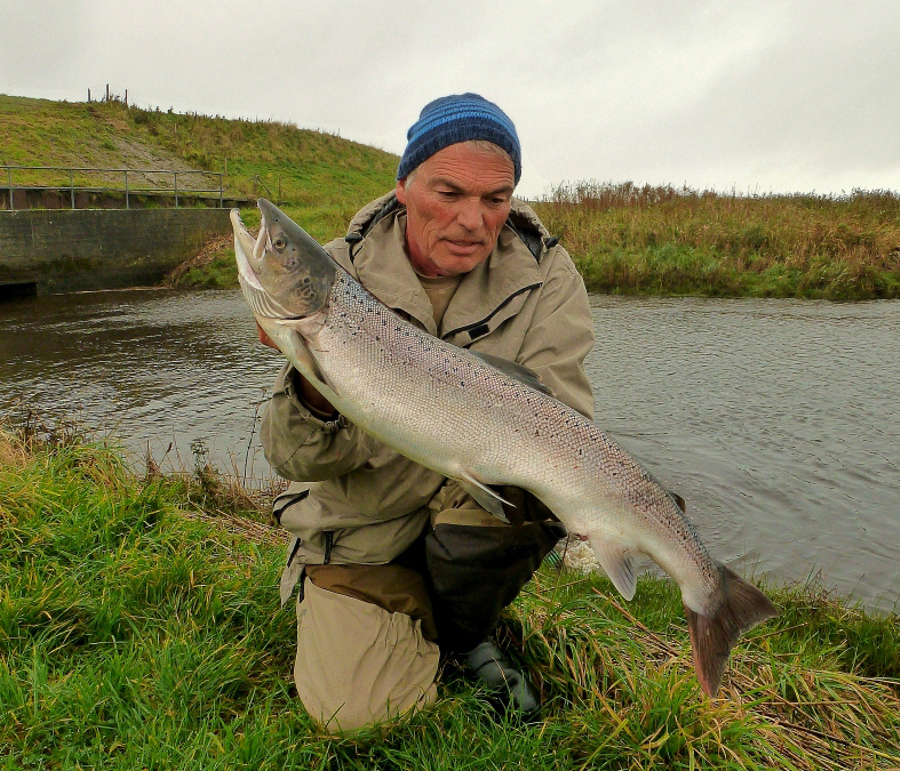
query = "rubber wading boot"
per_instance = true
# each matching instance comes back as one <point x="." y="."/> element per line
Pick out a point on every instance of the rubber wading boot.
<point x="491" y="668"/>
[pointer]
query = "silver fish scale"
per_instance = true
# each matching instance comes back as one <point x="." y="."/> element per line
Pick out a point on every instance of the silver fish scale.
<point x="437" y="403"/>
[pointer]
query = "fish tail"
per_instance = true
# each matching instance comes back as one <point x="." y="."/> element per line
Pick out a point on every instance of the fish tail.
<point x="743" y="606"/>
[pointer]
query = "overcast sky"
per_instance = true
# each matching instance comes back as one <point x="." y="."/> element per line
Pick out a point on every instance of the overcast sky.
<point x="755" y="96"/>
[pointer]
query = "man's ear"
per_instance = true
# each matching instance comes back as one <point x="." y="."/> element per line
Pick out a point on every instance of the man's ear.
<point x="400" y="191"/>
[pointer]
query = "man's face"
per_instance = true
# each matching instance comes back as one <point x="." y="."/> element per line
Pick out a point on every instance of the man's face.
<point x="456" y="203"/>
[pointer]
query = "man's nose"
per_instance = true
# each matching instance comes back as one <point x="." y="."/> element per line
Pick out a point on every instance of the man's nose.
<point x="470" y="215"/>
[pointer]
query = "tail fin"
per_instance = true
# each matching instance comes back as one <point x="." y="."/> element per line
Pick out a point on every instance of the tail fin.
<point x="712" y="637"/>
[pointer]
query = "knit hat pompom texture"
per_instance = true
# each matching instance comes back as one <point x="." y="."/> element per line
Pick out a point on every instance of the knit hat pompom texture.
<point x="459" y="118"/>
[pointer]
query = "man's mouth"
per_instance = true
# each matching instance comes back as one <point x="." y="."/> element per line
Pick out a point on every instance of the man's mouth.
<point x="463" y="246"/>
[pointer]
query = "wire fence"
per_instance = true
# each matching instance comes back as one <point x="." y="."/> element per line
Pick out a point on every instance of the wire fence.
<point x="134" y="182"/>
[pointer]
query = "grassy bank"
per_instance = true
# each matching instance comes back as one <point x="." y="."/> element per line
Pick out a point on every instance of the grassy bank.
<point x="655" y="240"/>
<point x="323" y="174"/>
<point x="660" y="241"/>
<point x="139" y="629"/>
<point x="625" y="239"/>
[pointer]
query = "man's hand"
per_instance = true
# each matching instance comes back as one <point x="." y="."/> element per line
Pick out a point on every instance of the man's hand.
<point x="264" y="338"/>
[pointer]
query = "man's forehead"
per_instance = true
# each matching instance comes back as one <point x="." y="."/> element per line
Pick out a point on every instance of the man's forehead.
<point x="466" y="167"/>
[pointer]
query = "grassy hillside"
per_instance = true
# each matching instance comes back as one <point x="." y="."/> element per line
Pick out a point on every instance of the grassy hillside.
<point x="322" y="176"/>
<point x="624" y="239"/>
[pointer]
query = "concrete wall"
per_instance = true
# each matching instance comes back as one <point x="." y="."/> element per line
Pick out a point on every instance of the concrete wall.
<point x="72" y="250"/>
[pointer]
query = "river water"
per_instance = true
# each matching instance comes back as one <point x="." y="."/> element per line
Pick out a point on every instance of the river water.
<point x="776" y="420"/>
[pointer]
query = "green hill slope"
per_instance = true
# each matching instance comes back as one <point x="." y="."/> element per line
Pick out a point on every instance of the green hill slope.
<point x="326" y="176"/>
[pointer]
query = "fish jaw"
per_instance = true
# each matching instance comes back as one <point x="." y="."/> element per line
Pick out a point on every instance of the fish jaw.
<point x="244" y="242"/>
<point x="284" y="273"/>
<point x="246" y="252"/>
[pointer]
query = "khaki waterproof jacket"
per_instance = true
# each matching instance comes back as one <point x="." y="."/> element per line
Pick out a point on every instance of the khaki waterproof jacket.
<point x="354" y="500"/>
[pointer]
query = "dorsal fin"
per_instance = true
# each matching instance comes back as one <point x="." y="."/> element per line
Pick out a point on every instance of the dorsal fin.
<point x="516" y="371"/>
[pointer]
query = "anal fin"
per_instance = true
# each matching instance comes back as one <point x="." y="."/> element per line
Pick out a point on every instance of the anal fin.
<point x="617" y="564"/>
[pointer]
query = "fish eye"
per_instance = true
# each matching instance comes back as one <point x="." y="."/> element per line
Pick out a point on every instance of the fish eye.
<point x="279" y="243"/>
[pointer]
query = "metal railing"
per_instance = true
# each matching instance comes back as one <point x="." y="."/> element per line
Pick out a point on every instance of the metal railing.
<point x="129" y="187"/>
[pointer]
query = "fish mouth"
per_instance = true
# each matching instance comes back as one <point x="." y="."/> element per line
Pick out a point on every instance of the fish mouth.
<point x="245" y="250"/>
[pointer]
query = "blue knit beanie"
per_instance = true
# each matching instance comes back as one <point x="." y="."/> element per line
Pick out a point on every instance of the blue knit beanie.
<point x="459" y="118"/>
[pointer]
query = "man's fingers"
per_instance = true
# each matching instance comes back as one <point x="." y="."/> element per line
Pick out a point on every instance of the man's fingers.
<point x="263" y="337"/>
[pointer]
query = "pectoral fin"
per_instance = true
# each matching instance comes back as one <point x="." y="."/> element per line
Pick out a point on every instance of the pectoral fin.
<point x="302" y="358"/>
<point x="484" y="496"/>
<point x="617" y="564"/>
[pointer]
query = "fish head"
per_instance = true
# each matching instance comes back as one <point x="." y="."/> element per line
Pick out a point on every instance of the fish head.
<point x="284" y="272"/>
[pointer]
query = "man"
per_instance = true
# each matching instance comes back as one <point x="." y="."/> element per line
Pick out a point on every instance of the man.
<point x="396" y="564"/>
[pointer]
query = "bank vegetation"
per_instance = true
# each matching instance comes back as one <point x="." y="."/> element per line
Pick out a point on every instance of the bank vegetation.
<point x="625" y="238"/>
<point x="662" y="241"/>
<point x="140" y="628"/>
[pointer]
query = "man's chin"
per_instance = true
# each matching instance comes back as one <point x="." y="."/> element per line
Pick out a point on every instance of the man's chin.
<point x="453" y="262"/>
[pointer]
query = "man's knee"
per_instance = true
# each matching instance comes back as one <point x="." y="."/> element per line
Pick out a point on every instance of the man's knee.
<point x="358" y="664"/>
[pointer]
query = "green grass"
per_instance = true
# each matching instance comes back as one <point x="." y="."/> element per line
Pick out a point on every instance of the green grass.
<point x="323" y="173"/>
<point x="688" y="243"/>
<point x="139" y="628"/>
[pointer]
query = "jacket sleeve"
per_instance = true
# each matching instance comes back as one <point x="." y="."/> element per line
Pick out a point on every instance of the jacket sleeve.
<point x="561" y="334"/>
<point x="301" y="446"/>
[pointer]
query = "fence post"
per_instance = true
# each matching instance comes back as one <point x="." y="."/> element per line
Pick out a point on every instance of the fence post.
<point x="127" y="201"/>
<point x="176" y="189"/>
<point x="72" y="187"/>
<point x="12" y="203"/>
<point x="221" y="189"/>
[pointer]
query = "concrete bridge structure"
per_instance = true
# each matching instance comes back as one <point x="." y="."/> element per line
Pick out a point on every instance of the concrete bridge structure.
<point x="45" y="251"/>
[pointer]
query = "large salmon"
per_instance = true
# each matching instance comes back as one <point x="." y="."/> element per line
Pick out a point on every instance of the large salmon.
<point x="484" y="423"/>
